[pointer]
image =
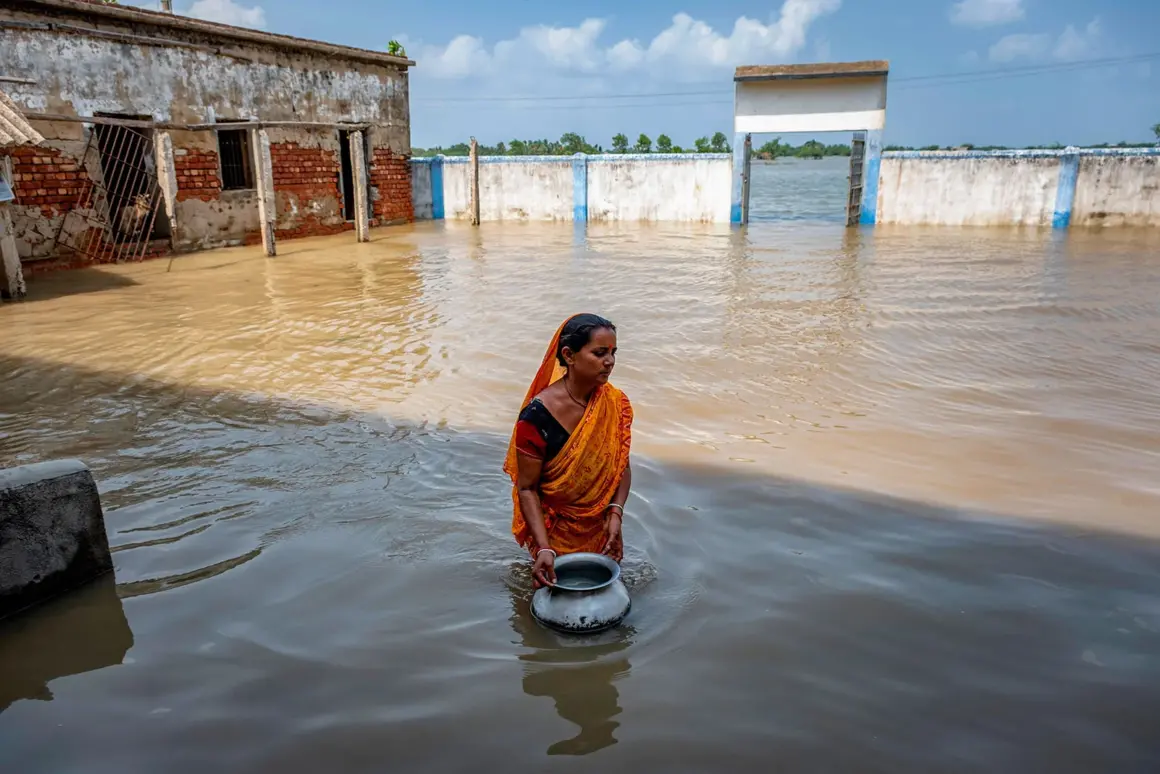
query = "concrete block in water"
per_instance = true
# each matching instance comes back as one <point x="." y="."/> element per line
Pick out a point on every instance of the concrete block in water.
<point x="52" y="532"/>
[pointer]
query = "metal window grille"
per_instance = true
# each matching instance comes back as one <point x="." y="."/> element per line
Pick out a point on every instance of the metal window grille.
<point x="116" y="212"/>
<point x="234" y="152"/>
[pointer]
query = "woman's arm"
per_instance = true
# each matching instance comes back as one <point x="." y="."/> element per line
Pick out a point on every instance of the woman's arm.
<point x="528" y="485"/>
<point x="621" y="496"/>
<point x="614" y="517"/>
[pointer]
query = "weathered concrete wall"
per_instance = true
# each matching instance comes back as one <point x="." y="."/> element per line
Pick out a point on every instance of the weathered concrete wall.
<point x="974" y="191"/>
<point x="1059" y="188"/>
<point x="1117" y="191"/>
<point x="646" y="187"/>
<point x="52" y="532"/>
<point x="672" y="188"/>
<point x="182" y="71"/>
<point x="538" y="188"/>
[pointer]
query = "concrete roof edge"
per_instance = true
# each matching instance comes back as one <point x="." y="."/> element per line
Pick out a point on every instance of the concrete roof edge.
<point x="242" y="34"/>
<point x="866" y="68"/>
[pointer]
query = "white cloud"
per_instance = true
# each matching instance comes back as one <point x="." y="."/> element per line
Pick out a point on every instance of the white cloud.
<point x="1021" y="46"/>
<point x="986" y="13"/>
<point x="1078" y="45"/>
<point x="684" y="49"/>
<point x="1070" y="45"/>
<point x="228" y="12"/>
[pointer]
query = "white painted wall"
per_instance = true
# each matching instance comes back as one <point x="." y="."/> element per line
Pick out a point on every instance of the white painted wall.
<point x="515" y="190"/>
<point x="421" y="190"/>
<point x="1117" y="191"/>
<point x="811" y="105"/>
<point x="693" y="188"/>
<point x="968" y="191"/>
<point x="696" y="189"/>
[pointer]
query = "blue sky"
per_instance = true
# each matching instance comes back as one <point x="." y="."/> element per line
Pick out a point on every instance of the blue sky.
<point x="469" y="52"/>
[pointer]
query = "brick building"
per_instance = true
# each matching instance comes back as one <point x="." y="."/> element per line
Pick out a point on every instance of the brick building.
<point x="164" y="133"/>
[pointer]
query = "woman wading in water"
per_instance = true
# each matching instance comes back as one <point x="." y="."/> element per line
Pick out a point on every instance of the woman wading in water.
<point x="568" y="457"/>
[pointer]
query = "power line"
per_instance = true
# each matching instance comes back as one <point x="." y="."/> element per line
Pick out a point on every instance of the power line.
<point x="910" y="82"/>
<point x="1032" y="69"/>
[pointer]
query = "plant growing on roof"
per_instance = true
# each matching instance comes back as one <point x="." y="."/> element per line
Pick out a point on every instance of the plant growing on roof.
<point x="395" y="48"/>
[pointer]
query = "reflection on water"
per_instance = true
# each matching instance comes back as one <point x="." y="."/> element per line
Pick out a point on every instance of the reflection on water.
<point x="79" y="632"/>
<point x="578" y="674"/>
<point x="894" y="488"/>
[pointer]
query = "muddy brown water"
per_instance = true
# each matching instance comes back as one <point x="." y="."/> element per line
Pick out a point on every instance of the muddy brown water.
<point x="895" y="505"/>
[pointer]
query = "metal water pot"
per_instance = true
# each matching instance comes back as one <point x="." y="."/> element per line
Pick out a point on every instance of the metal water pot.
<point x="589" y="595"/>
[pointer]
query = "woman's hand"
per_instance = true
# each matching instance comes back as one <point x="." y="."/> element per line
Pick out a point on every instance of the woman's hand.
<point x="613" y="545"/>
<point x="544" y="570"/>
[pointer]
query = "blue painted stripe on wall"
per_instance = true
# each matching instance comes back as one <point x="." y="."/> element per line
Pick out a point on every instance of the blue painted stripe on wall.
<point x="579" y="188"/>
<point x="1065" y="190"/>
<point x="437" y="188"/>
<point x="738" y="178"/>
<point x="870" y="175"/>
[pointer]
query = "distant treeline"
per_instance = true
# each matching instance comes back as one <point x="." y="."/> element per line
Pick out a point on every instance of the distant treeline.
<point x="571" y="143"/>
<point x="776" y="149"/>
<point x="1050" y="146"/>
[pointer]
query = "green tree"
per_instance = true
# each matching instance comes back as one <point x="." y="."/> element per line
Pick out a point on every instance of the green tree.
<point x="620" y="143"/>
<point x="720" y="143"/>
<point x="773" y="149"/>
<point x="811" y="150"/>
<point x="395" y="48"/>
<point x="664" y="144"/>
<point x="701" y="144"/>
<point x="643" y="144"/>
<point x="573" y="143"/>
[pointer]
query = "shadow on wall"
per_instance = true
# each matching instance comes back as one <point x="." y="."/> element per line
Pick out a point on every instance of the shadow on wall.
<point x="913" y="633"/>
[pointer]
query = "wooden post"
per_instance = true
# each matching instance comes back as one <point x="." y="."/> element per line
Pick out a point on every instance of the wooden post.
<point x="474" y="161"/>
<point x="358" y="164"/>
<point x="12" y="285"/>
<point x="264" y="180"/>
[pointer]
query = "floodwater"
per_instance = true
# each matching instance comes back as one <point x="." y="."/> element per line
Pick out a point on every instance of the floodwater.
<point x="895" y="504"/>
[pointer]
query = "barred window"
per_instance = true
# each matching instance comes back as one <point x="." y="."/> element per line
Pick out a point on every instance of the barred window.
<point x="234" y="152"/>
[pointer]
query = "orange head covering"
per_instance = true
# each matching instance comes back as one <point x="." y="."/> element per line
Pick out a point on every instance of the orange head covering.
<point x="577" y="484"/>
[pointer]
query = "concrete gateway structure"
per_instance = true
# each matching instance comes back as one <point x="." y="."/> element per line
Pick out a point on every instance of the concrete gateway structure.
<point x="165" y="133"/>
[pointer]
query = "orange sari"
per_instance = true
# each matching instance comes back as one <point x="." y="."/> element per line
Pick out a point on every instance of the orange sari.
<point x="577" y="484"/>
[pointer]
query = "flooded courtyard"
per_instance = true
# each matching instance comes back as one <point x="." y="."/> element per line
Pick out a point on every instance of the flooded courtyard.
<point x="894" y="507"/>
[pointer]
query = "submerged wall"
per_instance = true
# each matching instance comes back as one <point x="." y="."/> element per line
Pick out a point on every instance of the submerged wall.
<point x="692" y="187"/>
<point x="52" y="532"/>
<point x="535" y="188"/>
<point x="1058" y="188"/>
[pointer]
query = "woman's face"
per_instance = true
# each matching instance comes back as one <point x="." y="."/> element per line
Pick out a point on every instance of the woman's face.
<point x="596" y="359"/>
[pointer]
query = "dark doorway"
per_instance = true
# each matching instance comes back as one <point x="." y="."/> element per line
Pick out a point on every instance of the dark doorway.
<point x="347" y="175"/>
